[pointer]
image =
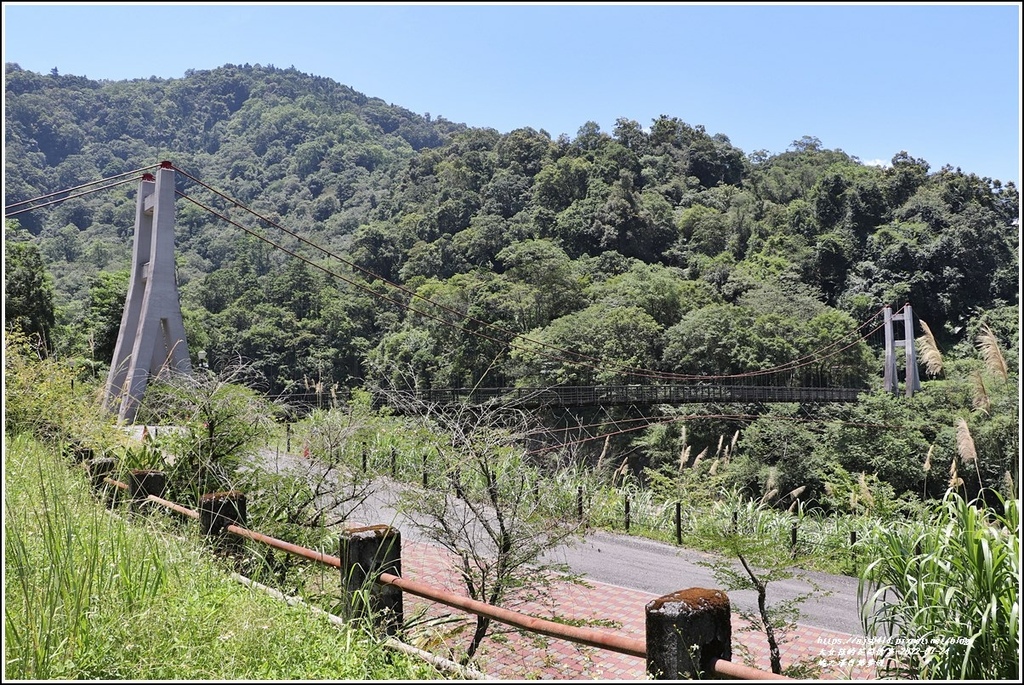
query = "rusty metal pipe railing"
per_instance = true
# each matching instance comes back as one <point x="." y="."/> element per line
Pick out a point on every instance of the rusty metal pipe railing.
<point x="297" y="550"/>
<point x="732" y="671"/>
<point x="173" y="507"/>
<point x="117" y="484"/>
<point x="585" y="636"/>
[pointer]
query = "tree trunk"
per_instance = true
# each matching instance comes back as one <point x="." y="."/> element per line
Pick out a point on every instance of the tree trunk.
<point x="482" y="624"/>
<point x="773" y="646"/>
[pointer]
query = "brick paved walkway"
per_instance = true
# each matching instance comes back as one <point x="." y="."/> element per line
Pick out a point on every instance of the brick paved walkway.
<point x="513" y="656"/>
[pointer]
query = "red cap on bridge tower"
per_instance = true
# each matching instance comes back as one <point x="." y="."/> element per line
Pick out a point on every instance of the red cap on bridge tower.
<point x="166" y="165"/>
<point x="148" y="177"/>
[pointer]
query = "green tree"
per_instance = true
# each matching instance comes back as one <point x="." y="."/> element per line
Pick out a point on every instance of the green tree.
<point x="557" y="285"/>
<point x="107" y="293"/>
<point x="597" y="345"/>
<point x="28" y="288"/>
<point x="659" y="291"/>
<point x="776" y="455"/>
<point x="714" y="340"/>
<point x="878" y="436"/>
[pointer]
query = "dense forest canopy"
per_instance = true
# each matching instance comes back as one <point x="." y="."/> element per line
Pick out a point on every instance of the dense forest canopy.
<point x="456" y="256"/>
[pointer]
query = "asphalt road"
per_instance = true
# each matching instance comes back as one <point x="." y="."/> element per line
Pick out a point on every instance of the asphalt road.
<point x="660" y="568"/>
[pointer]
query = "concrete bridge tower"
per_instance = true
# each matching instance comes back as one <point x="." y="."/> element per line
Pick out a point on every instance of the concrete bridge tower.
<point x="891" y="375"/>
<point x="151" y="341"/>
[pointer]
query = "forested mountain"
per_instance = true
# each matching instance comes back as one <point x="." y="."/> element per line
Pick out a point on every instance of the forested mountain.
<point x="653" y="246"/>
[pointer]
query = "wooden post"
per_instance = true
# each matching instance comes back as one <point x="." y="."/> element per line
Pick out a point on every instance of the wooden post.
<point x="579" y="502"/>
<point x="679" y="523"/>
<point x="394" y="462"/>
<point x="626" y="498"/>
<point x="424" y="469"/>
<point x="78" y="452"/>
<point x="686" y="631"/>
<point x="366" y="553"/>
<point x="792" y="540"/>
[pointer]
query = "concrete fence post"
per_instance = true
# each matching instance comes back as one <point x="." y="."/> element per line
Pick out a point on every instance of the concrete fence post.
<point x="218" y="510"/>
<point x="78" y="453"/>
<point x="98" y="469"/>
<point x="853" y="548"/>
<point x="367" y="552"/>
<point x="686" y="632"/>
<point x="145" y="482"/>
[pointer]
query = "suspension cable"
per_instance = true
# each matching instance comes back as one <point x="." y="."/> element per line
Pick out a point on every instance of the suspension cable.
<point x="374" y="293"/>
<point x="414" y="295"/>
<point x="811" y="358"/>
<point x="748" y="418"/>
<point x="133" y="174"/>
<point x="7" y="214"/>
<point x="356" y="284"/>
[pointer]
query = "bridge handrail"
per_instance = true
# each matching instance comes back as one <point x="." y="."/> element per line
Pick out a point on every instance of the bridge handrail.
<point x="575" y="395"/>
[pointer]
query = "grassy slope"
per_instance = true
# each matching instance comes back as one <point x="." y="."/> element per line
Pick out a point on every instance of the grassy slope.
<point x="88" y="595"/>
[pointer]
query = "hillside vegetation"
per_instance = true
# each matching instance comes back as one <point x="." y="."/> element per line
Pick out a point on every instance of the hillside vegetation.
<point x="655" y="246"/>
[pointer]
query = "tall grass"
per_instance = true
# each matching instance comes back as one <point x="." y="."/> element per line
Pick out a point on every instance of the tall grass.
<point x="90" y="594"/>
<point x="943" y="603"/>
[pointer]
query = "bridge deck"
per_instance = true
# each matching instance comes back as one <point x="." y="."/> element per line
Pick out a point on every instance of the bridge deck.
<point x="583" y="396"/>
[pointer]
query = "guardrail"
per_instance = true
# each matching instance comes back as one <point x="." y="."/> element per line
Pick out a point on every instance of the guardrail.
<point x="688" y="632"/>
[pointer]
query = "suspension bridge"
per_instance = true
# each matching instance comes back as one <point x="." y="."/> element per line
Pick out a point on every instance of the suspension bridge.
<point x="152" y="340"/>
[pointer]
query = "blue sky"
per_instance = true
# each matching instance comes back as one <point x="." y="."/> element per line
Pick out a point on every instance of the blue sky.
<point x="941" y="81"/>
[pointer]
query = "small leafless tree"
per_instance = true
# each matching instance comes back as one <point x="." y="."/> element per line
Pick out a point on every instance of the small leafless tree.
<point x="303" y="498"/>
<point x="490" y="507"/>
